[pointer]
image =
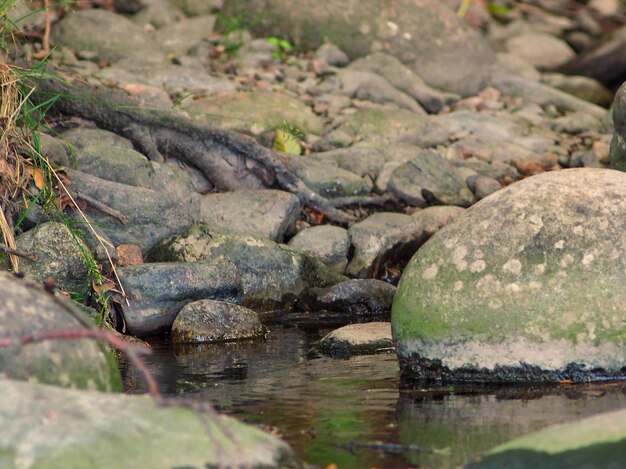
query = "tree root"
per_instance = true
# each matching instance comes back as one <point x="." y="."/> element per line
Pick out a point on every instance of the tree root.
<point x="230" y="160"/>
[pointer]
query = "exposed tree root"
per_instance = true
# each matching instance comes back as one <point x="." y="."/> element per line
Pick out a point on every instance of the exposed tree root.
<point x="230" y="160"/>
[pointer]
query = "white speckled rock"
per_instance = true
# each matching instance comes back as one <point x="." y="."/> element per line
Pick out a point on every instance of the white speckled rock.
<point x="528" y="284"/>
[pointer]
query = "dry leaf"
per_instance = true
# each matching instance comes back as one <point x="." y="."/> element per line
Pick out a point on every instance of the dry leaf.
<point x="129" y="254"/>
<point x="38" y="178"/>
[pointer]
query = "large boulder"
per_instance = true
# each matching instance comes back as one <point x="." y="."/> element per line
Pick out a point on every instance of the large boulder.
<point x="527" y="285"/>
<point x="29" y="309"/>
<point x="618" y="144"/>
<point x="426" y="35"/>
<point x="86" y="429"/>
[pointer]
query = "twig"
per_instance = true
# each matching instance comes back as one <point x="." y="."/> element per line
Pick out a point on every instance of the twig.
<point x="46" y="33"/>
<point x="101" y="206"/>
<point x="13" y="252"/>
<point x="132" y="351"/>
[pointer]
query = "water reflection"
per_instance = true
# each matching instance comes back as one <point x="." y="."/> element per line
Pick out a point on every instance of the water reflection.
<point x="334" y="410"/>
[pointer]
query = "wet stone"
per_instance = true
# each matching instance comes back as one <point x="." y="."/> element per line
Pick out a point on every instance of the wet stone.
<point x="215" y="321"/>
<point x="516" y="288"/>
<point x="358" y="339"/>
<point x="356" y="299"/>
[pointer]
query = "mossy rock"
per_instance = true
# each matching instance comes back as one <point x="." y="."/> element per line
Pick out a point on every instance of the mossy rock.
<point x="527" y="285"/>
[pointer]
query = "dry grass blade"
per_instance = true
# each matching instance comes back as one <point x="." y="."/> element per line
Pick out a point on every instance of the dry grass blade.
<point x="12" y="175"/>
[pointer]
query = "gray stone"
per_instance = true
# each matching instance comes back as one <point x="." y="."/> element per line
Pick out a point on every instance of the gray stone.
<point x="382" y="126"/>
<point x="436" y="217"/>
<point x="426" y="35"/>
<point x="617" y="153"/>
<point x="215" y="321"/>
<point x="109" y="36"/>
<point x="77" y="363"/>
<point x="59" y="254"/>
<point x="495" y="170"/>
<point x="326" y="178"/>
<point x="157" y="13"/>
<point x="429" y="179"/>
<point x="516" y="289"/>
<point x="382" y="238"/>
<point x="83" y="137"/>
<point x="541" y="50"/>
<point x="358" y="339"/>
<point x="332" y="55"/>
<point x="150" y="215"/>
<point x="355" y="299"/>
<point x="265" y="213"/>
<point x="576" y="123"/>
<point x="482" y="186"/>
<point x="259" y="109"/>
<point x="363" y="160"/>
<point x="403" y="78"/>
<point x="55" y="149"/>
<point x="518" y="66"/>
<point x="369" y="86"/>
<point x="177" y="38"/>
<point x="328" y="243"/>
<point x="90" y="430"/>
<point x="584" y="88"/>
<point x="272" y="275"/>
<point x="596" y="441"/>
<point x="158" y="291"/>
<point x="197" y="7"/>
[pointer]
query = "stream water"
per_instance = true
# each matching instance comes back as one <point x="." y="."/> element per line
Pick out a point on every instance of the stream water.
<point x="341" y="411"/>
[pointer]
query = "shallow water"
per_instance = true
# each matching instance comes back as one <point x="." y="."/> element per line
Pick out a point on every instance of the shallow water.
<point x="338" y="411"/>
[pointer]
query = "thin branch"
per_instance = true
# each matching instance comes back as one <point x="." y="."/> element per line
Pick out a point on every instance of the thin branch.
<point x="13" y="252"/>
<point x="101" y="206"/>
<point x="132" y="351"/>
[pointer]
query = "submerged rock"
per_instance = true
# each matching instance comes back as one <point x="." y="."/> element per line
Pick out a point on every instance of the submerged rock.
<point x="67" y="428"/>
<point x="598" y="441"/>
<point x="358" y="339"/>
<point x="215" y="321"/>
<point x="28" y="309"/>
<point x="527" y="285"/>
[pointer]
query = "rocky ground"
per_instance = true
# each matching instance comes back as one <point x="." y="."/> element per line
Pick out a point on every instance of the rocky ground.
<point x="388" y="125"/>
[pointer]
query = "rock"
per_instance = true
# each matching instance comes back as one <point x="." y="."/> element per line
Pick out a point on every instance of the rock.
<point x="90" y="430"/>
<point x="260" y="110"/>
<point x="197" y="7"/>
<point x="358" y="339"/>
<point x="403" y="78"/>
<point x="84" y="137"/>
<point x="482" y="186"/>
<point x="382" y="126"/>
<point x="332" y="55"/>
<point x="606" y="62"/>
<point x="55" y="149"/>
<point x="215" y="321"/>
<point x="272" y="275"/>
<point x="425" y="35"/>
<point x="496" y="295"/>
<point x="326" y="178"/>
<point x="383" y="238"/>
<point x="495" y="170"/>
<point x="177" y="38"/>
<point x="363" y="160"/>
<point x="266" y="213"/>
<point x="157" y="13"/>
<point x="584" y="88"/>
<point x="596" y="441"/>
<point x="541" y="50"/>
<point x="436" y="217"/>
<point x="127" y="166"/>
<point x="518" y="66"/>
<point x="330" y="244"/>
<point x="617" y="153"/>
<point x="108" y="36"/>
<point x="586" y="159"/>
<point x="429" y="179"/>
<point x="355" y="299"/>
<point x="576" y="123"/>
<point x="158" y="291"/>
<point x="59" y="254"/>
<point x="369" y="86"/>
<point x="29" y="309"/>
<point x="150" y="215"/>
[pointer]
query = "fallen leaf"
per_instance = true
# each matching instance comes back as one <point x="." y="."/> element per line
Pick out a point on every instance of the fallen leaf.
<point x="129" y="254"/>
